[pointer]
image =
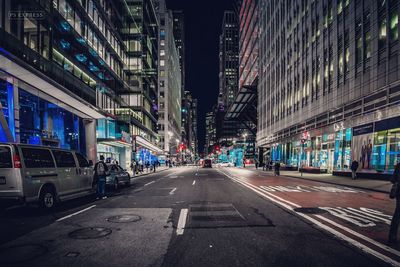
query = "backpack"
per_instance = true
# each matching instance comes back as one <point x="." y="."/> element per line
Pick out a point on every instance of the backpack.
<point x="100" y="169"/>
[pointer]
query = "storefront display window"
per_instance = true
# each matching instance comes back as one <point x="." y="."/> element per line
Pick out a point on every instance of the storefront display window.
<point x="393" y="141"/>
<point x="379" y="151"/>
<point x="45" y="123"/>
<point x="342" y="155"/>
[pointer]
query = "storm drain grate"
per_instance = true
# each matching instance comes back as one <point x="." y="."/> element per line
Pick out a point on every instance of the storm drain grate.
<point x="21" y="253"/>
<point x="125" y="218"/>
<point x="310" y="210"/>
<point x="90" y="233"/>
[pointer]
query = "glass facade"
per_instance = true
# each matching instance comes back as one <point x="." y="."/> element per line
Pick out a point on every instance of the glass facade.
<point x="41" y="121"/>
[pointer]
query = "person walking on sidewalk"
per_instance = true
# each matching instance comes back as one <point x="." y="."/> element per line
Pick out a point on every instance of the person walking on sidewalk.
<point x="354" y="167"/>
<point x="154" y="165"/>
<point x="100" y="173"/>
<point x="277" y="168"/>
<point x="396" y="216"/>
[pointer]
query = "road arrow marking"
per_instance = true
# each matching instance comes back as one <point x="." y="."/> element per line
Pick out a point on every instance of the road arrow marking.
<point x="172" y="191"/>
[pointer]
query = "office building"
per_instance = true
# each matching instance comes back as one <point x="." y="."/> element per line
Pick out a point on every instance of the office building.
<point x="329" y="84"/>
<point x="169" y="123"/>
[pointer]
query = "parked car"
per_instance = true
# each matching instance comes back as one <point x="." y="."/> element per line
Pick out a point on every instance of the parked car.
<point x="117" y="176"/>
<point x="43" y="174"/>
<point x="207" y="163"/>
<point x="225" y="164"/>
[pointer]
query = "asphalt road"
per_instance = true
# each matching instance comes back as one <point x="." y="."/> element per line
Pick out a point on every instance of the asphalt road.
<point x="204" y="217"/>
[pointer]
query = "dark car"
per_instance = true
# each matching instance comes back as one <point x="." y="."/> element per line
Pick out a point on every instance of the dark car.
<point x="117" y="176"/>
<point x="207" y="163"/>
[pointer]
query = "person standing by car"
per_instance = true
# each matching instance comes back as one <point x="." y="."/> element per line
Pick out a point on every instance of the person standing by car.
<point x="396" y="216"/>
<point x="354" y="167"/>
<point x="100" y="173"/>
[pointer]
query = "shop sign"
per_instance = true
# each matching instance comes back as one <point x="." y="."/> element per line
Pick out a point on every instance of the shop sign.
<point x="338" y="126"/>
<point x="387" y="124"/>
<point x="363" y="129"/>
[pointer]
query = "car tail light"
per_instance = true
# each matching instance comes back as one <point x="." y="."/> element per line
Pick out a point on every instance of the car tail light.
<point x="17" y="162"/>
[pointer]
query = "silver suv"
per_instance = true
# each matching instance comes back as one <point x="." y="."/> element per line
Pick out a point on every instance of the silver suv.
<point x="43" y="174"/>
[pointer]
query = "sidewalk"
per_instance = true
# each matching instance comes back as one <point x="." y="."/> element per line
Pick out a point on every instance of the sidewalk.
<point x="139" y="175"/>
<point x="361" y="183"/>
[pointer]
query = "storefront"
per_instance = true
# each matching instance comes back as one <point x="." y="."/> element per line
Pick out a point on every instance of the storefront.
<point x="30" y="116"/>
<point x="114" y="143"/>
<point x="376" y="146"/>
<point x="144" y="151"/>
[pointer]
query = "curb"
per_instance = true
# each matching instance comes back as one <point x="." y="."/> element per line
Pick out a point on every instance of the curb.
<point x="145" y="174"/>
<point x="333" y="183"/>
<point x="328" y="182"/>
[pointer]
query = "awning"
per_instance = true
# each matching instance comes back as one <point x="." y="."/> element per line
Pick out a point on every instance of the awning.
<point x="143" y="142"/>
<point x="113" y="142"/>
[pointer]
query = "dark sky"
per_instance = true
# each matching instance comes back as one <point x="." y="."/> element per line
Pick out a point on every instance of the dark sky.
<point x="203" y="21"/>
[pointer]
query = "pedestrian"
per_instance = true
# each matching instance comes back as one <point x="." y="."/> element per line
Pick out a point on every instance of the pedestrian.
<point x="277" y="168"/>
<point x="147" y="166"/>
<point x="244" y="163"/>
<point x="140" y="166"/>
<point x="256" y="164"/>
<point x="154" y="166"/>
<point x="100" y="172"/>
<point x="396" y="216"/>
<point x="354" y="167"/>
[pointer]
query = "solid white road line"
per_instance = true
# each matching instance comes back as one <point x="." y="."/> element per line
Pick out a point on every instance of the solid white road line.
<point x="172" y="191"/>
<point x="329" y="229"/>
<point x="69" y="216"/>
<point x="194" y="182"/>
<point x="182" y="222"/>
<point x="152" y="182"/>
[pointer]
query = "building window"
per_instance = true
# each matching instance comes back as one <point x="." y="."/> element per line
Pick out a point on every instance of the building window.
<point x="382" y="32"/>
<point x="162" y="52"/>
<point x="394" y="21"/>
<point x="162" y="62"/>
<point x="368" y="46"/>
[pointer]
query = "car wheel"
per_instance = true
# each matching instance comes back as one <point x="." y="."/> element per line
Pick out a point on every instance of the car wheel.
<point x="47" y="198"/>
<point x="116" y="184"/>
<point x="128" y="183"/>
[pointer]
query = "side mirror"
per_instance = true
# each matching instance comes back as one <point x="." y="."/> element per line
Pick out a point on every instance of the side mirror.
<point x="90" y="163"/>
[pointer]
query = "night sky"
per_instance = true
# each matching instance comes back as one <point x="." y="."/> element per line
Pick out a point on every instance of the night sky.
<point x="203" y="21"/>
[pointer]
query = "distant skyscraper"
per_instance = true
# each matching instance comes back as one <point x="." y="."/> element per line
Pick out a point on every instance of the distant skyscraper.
<point x="229" y="57"/>
<point x="179" y="35"/>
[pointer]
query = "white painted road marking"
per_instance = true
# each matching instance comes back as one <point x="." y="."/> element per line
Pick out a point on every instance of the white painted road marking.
<point x="69" y="216"/>
<point x="152" y="182"/>
<point x="194" y="182"/>
<point x="172" y="191"/>
<point x="182" y="222"/>
<point x="355" y="243"/>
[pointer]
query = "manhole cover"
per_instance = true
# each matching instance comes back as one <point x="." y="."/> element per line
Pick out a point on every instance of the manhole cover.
<point x="21" y="253"/>
<point x="126" y="218"/>
<point x="310" y="210"/>
<point x="90" y="233"/>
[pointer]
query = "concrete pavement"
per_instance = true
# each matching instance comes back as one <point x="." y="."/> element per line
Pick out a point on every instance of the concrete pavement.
<point x="182" y="216"/>
<point x="361" y="183"/>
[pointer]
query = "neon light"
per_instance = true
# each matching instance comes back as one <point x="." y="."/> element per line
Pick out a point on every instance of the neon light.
<point x="11" y="117"/>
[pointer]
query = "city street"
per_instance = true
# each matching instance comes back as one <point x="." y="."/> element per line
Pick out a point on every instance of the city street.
<point x="190" y="216"/>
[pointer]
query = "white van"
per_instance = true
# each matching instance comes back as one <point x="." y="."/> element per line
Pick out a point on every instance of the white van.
<point x="43" y="174"/>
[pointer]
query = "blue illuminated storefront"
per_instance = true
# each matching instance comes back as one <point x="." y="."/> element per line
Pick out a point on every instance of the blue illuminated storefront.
<point x="41" y="120"/>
